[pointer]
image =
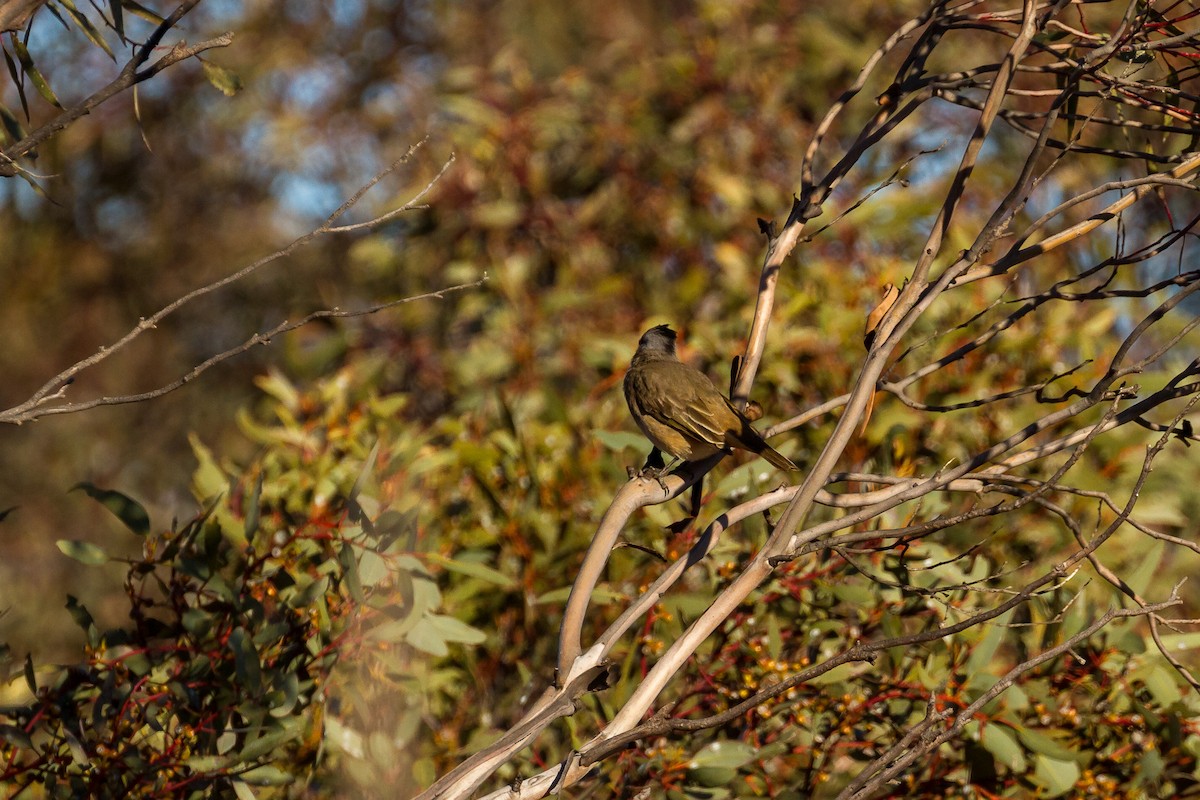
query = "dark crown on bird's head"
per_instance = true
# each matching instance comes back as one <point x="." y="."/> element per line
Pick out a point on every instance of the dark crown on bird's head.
<point x="660" y="339"/>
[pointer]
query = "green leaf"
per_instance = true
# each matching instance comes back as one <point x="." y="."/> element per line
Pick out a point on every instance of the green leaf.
<point x="1001" y="743"/>
<point x="1057" y="777"/>
<point x="139" y="10"/>
<point x="243" y="791"/>
<point x="83" y="552"/>
<point x="498" y="214"/>
<point x="54" y="11"/>
<point x="39" y="81"/>
<point x="601" y="594"/>
<point x="15" y="74"/>
<point x="267" y="775"/>
<point x="209" y="480"/>
<point x="424" y="771"/>
<point x="455" y="630"/>
<point x="724" y="753"/>
<point x="855" y="593"/>
<point x="364" y="476"/>
<point x="1161" y="681"/>
<point x="276" y="385"/>
<point x="253" y="508"/>
<point x="1044" y="745"/>
<point x="196" y="622"/>
<point x="16" y="737"/>
<point x="1150" y="769"/>
<point x="1176" y="642"/>
<point x="473" y="569"/>
<point x="271" y="741"/>
<point x="123" y="507"/>
<point x="388" y="406"/>
<point x="372" y="568"/>
<point x="85" y="24"/>
<point x="12" y="126"/>
<point x="350" y="571"/>
<point x="245" y="659"/>
<point x="30" y="678"/>
<point x="712" y="777"/>
<point x="138" y="664"/>
<point x="392" y="525"/>
<point x="620" y="440"/>
<point x="80" y="613"/>
<point x="982" y="653"/>
<point x="118" y="17"/>
<point x="1124" y="635"/>
<point x="423" y="636"/>
<point x="774" y="637"/>
<point x="286" y="696"/>
<point x="33" y="184"/>
<point x="1074" y="620"/>
<point x="1147" y="569"/>
<point x="1016" y="699"/>
<point x="225" y="81"/>
<point x="79" y="754"/>
<point x="226" y="742"/>
<point x="398" y="630"/>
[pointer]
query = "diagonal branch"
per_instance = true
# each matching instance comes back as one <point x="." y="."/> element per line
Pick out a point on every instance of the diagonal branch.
<point x="131" y="75"/>
<point x="55" y="388"/>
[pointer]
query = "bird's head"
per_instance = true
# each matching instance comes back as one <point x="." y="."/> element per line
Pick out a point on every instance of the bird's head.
<point x="659" y="339"/>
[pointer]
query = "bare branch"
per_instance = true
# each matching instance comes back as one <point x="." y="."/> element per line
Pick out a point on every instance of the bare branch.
<point x="131" y="75"/>
<point x="1034" y="84"/>
<point x="257" y="339"/>
<point x="38" y="404"/>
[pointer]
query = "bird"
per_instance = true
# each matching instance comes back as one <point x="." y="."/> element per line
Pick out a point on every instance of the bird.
<point x="681" y="411"/>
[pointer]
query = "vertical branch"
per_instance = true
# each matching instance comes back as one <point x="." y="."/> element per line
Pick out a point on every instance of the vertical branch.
<point x="812" y="196"/>
<point x="1069" y="425"/>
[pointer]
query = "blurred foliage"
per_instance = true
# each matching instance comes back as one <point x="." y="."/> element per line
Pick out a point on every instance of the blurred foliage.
<point x="220" y="679"/>
<point x="371" y="597"/>
<point x="611" y="161"/>
<point x="621" y="187"/>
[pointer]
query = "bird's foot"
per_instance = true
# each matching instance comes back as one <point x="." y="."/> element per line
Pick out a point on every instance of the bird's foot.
<point x="654" y="468"/>
<point x="654" y="473"/>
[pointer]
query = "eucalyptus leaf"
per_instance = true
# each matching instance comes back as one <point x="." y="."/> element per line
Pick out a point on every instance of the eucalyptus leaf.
<point x="1003" y="744"/>
<point x="83" y="552"/>
<point x="473" y="569"/>
<point x="454" y="630"/>
<point x="1057" y="777"/>
<point x="123" y="507"/>
<point x="249" y="670"/>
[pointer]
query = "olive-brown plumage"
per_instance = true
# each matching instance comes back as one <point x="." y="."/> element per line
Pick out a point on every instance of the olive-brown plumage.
<point x="680" y="410"/>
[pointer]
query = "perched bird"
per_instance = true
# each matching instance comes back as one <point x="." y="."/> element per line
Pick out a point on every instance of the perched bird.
<point x="680" y="410"/>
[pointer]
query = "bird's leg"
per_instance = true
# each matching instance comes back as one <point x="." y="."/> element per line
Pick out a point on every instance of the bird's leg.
<point x="654" y="464"/>
<point x="655" y="468"/>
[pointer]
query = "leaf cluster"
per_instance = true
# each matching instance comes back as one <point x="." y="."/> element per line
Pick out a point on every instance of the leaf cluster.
<point x="219" y="683"/>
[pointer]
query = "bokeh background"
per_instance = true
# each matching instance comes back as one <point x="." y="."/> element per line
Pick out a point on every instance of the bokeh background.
<point x="610" y="164"/>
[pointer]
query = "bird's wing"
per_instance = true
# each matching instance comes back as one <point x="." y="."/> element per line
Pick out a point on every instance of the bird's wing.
<point x="697" y="410"/>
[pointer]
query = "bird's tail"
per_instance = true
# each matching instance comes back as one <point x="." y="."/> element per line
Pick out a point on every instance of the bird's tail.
<point x="777" y="459"/>
<point x="750" y="439"/>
